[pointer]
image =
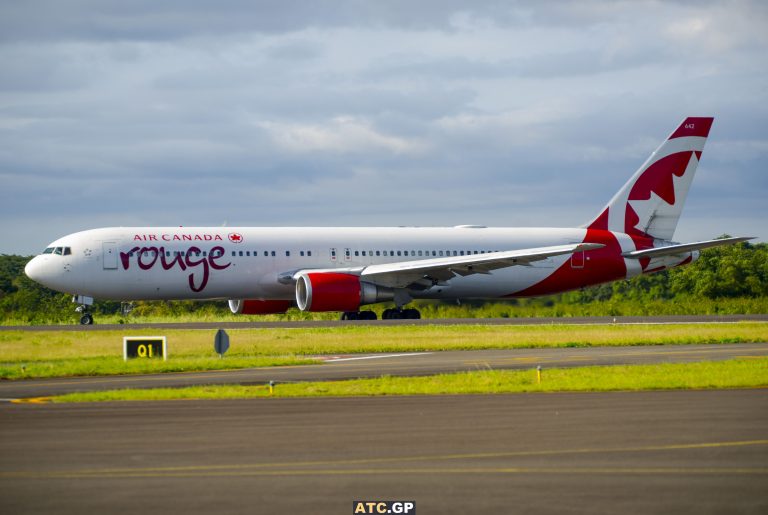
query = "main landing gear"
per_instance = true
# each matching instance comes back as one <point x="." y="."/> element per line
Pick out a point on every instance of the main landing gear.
<point x="401" y="314"/>
<point x="388" y="314"/>
<point x="358" y="315"/>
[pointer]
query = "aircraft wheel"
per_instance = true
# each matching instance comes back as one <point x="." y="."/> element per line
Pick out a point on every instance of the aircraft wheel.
<point x="367" y="315"/>
<point x="86" y="319"/>
<point x="394" y="314"/>
<point x="411" y="314"/>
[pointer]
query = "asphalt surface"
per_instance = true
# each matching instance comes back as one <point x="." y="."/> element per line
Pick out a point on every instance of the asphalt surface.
<point x="693" y="319"/>
<point x="408" y="364"/>
<point x="643" y="452"/>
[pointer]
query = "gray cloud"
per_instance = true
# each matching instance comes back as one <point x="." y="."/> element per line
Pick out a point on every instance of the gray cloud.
<point x="370" y="113"/>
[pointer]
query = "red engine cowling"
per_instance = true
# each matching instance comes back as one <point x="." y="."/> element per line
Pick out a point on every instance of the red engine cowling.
<point x="259" y="307"/>
<point x="330" y="291"/>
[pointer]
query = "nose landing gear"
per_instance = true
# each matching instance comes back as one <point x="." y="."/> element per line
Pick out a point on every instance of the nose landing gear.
<point x="86" y="317"/>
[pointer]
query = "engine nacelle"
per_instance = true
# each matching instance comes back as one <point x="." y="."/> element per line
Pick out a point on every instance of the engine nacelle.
<point x="330" y="291"/>
<point x="258" y="307"/>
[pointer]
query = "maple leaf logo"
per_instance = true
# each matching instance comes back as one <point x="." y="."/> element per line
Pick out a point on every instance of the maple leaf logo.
<point x="235" y="237"/>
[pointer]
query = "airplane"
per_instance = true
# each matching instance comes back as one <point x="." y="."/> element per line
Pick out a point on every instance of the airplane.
<point x="267" y="270"/>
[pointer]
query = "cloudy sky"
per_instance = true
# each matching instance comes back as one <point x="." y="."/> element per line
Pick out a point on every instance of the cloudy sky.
<point x="370" y="112"/>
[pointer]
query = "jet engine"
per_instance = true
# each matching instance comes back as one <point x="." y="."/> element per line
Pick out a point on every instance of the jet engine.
<point x="258" y="307"/>
<point x="330" y="291"/>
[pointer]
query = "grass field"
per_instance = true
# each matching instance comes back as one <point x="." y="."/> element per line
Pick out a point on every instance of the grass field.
<point x="741" y="373"/>
<point x="568" y="305"/>
<point x="63" y="353"/>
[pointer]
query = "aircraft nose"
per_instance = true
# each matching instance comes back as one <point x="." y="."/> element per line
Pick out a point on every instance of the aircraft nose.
<point x="34" y="269"/>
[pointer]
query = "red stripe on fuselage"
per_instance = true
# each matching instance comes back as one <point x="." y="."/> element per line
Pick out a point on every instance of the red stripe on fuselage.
<point x="601" y="265"/>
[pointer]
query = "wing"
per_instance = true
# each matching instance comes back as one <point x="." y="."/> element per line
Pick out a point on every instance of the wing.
<point x="682" y="248"/>
<point x="428" y="272"/>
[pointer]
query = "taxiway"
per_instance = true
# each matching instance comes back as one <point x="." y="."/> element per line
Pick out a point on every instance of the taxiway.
<point x="643" y="452"/>
<point x="408" y="364"/>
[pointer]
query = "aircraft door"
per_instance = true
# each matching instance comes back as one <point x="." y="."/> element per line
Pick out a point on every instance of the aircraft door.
<point x="577" y="260"/>
<point x="332" y="254"/>
<point x="109" y="256"/>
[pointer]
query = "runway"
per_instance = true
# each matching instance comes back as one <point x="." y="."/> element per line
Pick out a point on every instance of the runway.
<point x="295" y="324"/>
<point x="409" y="364"/>
<point x="643" y="452"/>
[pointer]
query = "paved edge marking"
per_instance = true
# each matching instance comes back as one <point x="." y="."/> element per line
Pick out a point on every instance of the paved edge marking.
<point x="377" y="356"/>
<point x="248" y="469"/>
<point x="432" y="471"/>
<point x="32" y="400"/>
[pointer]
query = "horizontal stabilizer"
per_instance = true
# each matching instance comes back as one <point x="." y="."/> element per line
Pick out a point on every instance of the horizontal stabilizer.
<point x="672" y="250"/>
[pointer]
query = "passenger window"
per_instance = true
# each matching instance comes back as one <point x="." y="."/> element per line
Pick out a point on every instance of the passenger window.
<point x="419" y="253"/>
<point x="273" y="253"/>
<point x="309" y="253"/>
<point x="391" y="252"/>
<point x="357" y="253"/>
<point x="301" y="253"/>
<point x="266" y="253"/>
<point x="441" y="252"/>
<point x="378" y="252"/>
<point x="234" y="253"/>
<point x="287" y="253"/>
<point x="398" y="253"/>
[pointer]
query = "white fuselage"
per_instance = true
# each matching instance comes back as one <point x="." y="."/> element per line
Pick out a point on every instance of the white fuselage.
<point x="342" y="268"/>
<point x="239" y="262"/>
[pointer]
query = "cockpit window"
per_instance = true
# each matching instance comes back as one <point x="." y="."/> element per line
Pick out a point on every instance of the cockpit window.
<point x="59" y="251"/>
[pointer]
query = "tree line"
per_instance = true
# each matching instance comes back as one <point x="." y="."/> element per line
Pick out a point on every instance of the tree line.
<point x="737" y="274"/>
